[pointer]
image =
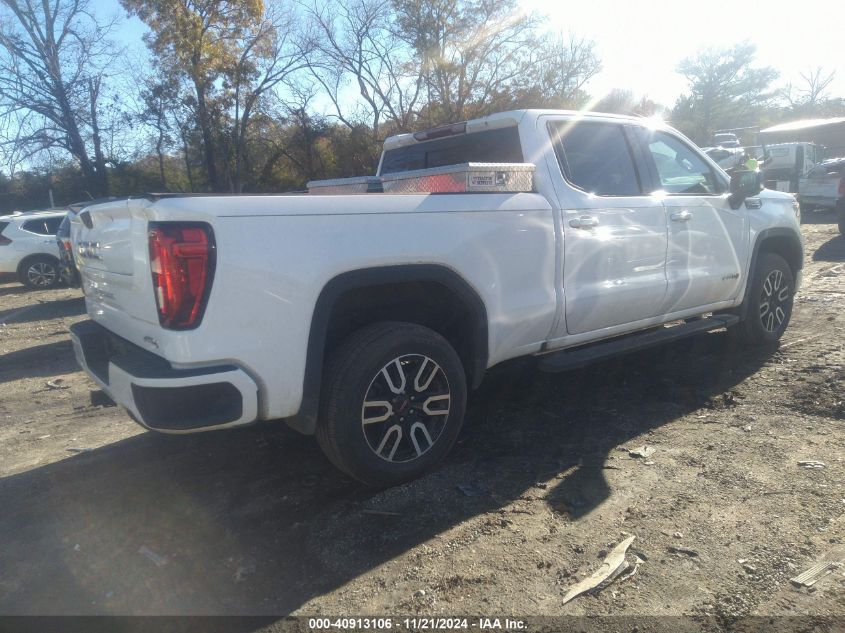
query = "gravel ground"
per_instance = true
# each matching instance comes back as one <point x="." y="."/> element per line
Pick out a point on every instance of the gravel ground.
<point x="98" y="516"/>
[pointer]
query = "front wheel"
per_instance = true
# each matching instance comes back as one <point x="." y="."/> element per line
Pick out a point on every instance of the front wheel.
<point x="393" y="403"/>
<point x="769" y="302"/>
<point x="39" y="272"/>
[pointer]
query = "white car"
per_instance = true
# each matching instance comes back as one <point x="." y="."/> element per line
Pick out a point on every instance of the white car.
<point x="726" y="139"/>
<point x="28" y="247"/>
<point x="728" y="158"/>
<point x="366" y="318"/>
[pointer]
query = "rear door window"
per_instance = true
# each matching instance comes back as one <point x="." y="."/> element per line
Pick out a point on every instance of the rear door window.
<point x="53" y="225"/>
<point x="42" y="226"/>
<point x="596" y="158"/>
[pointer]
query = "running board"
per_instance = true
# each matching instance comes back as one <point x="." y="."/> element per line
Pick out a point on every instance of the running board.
<point x="575" y="357"/>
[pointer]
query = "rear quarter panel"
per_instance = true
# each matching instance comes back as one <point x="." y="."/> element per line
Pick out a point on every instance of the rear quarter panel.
<point x="276" y="253"/>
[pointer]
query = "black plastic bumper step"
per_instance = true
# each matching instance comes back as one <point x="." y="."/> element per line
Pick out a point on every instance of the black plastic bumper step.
<point x="575" y="357"/>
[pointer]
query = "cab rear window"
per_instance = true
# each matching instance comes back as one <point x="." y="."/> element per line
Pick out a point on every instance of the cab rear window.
<point x="488" y="146"/>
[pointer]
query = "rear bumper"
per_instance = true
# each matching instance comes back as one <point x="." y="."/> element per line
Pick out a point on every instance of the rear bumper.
<point x="158" y="396"/>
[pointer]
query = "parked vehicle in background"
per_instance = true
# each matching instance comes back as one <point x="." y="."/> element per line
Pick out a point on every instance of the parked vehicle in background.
<point x="366" y="318"/>
<point x="784" y="164"/>
<point x="69" y="271"/>
<point x="67" y="266"/>
<point x="725" y="139"/>
<point x="728" y="158"/>
<point x="824" y="187"/>
<point x="28" y="247"/>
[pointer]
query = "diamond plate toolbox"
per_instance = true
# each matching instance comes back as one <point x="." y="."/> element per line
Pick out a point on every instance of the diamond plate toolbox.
<point x="466" y="177"/>
<point x="361" y="184"/>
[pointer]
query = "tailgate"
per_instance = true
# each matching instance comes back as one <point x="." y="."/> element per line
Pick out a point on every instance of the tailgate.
<point x="112" y="253"/>
<point x="825" y="187"/>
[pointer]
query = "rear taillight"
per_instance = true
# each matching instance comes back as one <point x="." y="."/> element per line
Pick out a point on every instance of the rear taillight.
<point x="842" y="186"/>
<point x="4" y="241"/>
<point x="67" y="245"/>
<point x="182" y="266"/>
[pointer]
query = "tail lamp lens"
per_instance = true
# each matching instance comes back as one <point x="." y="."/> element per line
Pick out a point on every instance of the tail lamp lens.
<point x="182" y="265"/>
<point x="4" y="241"/>
<point x="842" y="186"/>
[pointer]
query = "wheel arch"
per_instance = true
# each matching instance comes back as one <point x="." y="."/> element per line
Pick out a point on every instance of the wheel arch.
<point x="448" y="305"/>
<point x="33" y="256"/>
<point x="781" y="241"/>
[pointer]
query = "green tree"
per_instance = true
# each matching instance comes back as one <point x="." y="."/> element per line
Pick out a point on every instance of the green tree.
<point x="198" y="40"/>
<point x="470" y="51"/>
<point x="725" y="90"/>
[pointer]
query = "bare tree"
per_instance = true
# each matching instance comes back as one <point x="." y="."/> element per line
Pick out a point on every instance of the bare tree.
<point x="555" y="71"/>
<point x="357" y="41"/>
<point x="816" y="84"/>
<point x="271" y="53"/>
<point x="53" y="67"/>
<point x="810" y="96"/>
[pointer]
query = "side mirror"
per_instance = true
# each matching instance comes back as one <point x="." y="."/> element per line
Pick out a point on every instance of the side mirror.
<point x="744" y="184"/>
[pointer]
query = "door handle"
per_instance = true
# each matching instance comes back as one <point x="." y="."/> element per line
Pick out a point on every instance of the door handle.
<point x="584" y="222"/>
<point x="682" y="216"/>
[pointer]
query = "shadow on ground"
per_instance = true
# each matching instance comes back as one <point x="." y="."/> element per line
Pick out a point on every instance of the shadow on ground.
<point x="257" y="522"/>
<point x="831" y="251"/>
<point x="10" y="286"/>
<point x="49" y="359"/>
<point x="43" y="311"/>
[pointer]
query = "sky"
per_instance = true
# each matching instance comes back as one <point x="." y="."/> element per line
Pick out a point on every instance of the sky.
<point x="641" y="43"/>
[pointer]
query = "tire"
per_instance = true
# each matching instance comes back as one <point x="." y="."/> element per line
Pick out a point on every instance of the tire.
<point x="420" y="380"/>
<point x="39" y="272"/>
<point x="770" y="302"/>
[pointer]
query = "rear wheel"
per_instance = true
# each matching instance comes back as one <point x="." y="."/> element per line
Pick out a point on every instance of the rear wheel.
<point x="769" y="301"/>
<point x="39" y="272"/>
<point x="393" y="402"/>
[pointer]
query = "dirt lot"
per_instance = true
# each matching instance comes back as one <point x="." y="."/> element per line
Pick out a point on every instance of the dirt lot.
<point x="99" y="516"/>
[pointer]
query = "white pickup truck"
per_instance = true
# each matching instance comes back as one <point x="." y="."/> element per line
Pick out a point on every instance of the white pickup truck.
<point x="365" y="318"/>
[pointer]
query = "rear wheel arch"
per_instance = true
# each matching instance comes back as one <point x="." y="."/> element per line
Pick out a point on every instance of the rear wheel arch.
<point x="430" y="295"/>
